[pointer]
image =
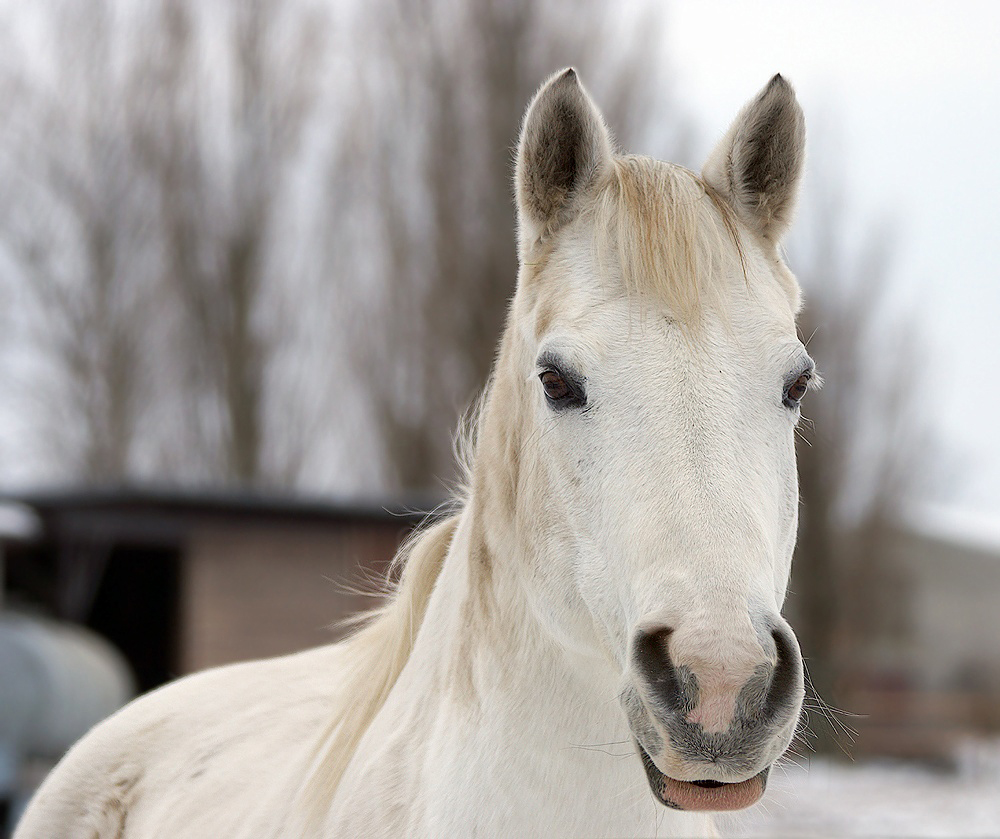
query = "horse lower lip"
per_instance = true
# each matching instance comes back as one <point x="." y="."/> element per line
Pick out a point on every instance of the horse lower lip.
<point x="689" y="796"/>
<point x="703" y="795"/>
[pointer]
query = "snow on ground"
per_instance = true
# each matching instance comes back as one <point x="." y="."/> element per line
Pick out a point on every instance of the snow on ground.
<point x="824" y="799"/>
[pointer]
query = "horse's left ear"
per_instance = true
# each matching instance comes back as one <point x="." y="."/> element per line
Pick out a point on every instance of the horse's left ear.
<point x="564" y="150"/>
<point x="757" y="166"/>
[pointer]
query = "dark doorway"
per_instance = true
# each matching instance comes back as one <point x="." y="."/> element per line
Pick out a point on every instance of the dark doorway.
<point x="136" y="608"/>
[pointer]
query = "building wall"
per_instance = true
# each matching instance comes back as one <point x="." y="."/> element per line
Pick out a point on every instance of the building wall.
<point x="253" y="591"/>
<point x="955" y="612"/>
<point x="938" y="684"/>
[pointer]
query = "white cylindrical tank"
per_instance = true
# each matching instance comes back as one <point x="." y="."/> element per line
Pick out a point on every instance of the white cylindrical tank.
<point x="56" y="681"/>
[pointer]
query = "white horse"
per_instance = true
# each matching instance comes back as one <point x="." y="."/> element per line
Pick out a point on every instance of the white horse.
<point x="602" y="617"/>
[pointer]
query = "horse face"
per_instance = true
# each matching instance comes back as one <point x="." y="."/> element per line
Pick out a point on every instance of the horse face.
<point x="664" y="376"/>
<point x="671" y="459"/>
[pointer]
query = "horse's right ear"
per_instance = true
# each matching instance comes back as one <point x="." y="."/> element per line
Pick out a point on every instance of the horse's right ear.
<point x="564" y="150"/>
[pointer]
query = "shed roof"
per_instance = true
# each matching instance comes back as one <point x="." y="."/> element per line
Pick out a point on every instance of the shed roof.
<point x="154" y="515"/>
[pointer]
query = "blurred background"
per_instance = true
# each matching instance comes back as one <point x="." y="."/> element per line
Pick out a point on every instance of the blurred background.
<point x="254" y="261"/>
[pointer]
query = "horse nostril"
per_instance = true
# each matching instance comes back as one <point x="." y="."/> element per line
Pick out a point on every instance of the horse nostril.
<point x="786" y="679"/>
<point x="652" y="659"/>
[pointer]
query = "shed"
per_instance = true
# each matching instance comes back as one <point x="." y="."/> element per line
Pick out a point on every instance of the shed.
<point x="181" y="580"/>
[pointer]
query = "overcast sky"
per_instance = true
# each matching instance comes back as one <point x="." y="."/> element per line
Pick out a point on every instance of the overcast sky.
<point x="910" y="93"/>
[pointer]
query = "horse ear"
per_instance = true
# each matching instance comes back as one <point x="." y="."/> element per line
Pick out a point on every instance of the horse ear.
<point x="564" y="150"/>
<point x="758" y="164"/>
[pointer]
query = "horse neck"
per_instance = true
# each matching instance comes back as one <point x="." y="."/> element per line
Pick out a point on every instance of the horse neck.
<point x="484" y="600"/>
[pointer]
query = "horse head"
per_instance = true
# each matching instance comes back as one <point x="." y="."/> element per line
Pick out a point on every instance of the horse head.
<point x="648" y="389"/>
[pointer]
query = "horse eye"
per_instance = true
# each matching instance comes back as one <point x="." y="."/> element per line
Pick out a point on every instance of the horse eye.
<point x="555" y="386"/>
<point x="797" y="390"/>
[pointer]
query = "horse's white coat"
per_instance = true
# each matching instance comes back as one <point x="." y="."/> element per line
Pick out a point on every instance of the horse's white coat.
<point x="668" y="501"/>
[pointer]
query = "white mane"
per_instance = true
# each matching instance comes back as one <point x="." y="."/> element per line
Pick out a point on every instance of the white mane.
<point x="374" y="656"/>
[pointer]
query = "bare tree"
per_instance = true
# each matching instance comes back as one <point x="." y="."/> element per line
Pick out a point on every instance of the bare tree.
<point x="151" y="169"/>
<point x="71" y="229"/>
<point x="221" y="204"/>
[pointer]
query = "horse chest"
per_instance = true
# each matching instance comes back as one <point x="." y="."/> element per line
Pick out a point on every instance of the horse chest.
<point x="500" y="772"/>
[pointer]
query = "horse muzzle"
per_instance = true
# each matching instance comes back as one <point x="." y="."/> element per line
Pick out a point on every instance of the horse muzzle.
<point x="706" y="741"/>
